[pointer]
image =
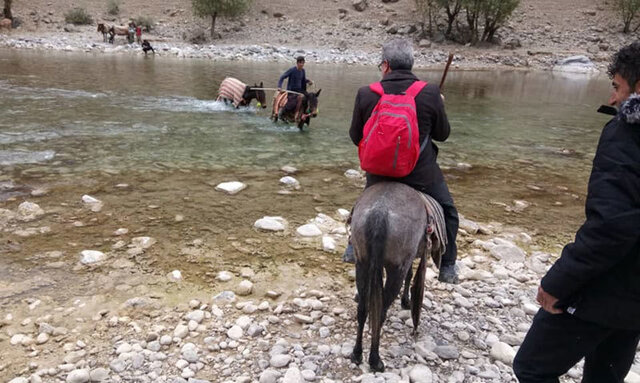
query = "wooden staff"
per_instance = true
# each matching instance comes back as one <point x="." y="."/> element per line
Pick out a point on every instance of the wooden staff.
<point x="446" y="70"/>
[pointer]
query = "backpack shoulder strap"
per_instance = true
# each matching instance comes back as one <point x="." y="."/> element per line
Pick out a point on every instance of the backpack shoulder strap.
<point x="415" y="88"/>
<point x="376" y="87"/>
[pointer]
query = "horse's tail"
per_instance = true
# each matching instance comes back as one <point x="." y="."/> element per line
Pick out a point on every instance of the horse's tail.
<point x="417" y="289"/>
<point x="376" y="235"/>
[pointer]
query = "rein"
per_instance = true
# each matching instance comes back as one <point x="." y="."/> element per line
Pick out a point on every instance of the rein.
<point x="287" y="91"/>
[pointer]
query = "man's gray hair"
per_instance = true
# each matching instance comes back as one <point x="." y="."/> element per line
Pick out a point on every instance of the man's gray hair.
<point x="398" y="53"/>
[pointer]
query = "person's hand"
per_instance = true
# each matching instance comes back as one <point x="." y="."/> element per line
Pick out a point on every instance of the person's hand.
<point x="279" y="90"/>
<point x="547" y="301"/>
<point x="309" y="82"/>
<point x="442" y="97"/>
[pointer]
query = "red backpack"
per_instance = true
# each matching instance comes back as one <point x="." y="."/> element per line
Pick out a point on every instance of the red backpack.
<point x="390" y="144"/>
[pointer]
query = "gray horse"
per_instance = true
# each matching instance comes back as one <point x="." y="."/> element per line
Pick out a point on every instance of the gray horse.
<point x="389" y="229"/>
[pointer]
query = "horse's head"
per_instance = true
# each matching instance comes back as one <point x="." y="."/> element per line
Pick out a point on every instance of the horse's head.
<point x="311" y="103"/>
<point x="101" y="28"/>
<point x="255" y="91"/>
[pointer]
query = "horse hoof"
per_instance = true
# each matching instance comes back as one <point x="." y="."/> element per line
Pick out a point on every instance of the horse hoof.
<point x="377" y="366"/>
<point x="356" y="358"/>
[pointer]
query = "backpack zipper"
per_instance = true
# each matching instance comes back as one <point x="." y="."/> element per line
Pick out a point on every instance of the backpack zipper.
<point x="395" y="156"/>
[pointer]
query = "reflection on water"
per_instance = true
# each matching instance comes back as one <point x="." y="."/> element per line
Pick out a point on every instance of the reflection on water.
<point x="120" y="113"/>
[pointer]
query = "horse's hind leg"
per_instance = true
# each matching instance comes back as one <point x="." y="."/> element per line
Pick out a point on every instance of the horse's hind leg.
<point x="404" y="301"/>
<point x="392" y="288"/>
<point x="361" y="283"/>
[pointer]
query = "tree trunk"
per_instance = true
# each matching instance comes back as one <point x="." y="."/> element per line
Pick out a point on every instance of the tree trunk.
<point x="7" y="10"/>
<point x="213" y="25"/>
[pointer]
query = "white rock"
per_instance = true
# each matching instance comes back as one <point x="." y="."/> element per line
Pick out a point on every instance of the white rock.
<point x="235" y="332"/>
<point x="289" y="181"/>
<point x="175" y="276"/>
<point x="196" y="316"/>
<point x="269" y="376"/>
<point x="468" y="226"/>
<point x="233" y="187"/>
<point x="19" y="380"/>
<point x="271" y="224"/>
<point x="88" y="257"/>
<point x="28" y="211"/>
<point x="42" y="338"/>
<point x="244" y="288"/>
<point x="420" y="374"/>
<point x="165" y="340"/>
<point x="143" y="242"/>
<point x="224" y="276"/>
<point x="99" y="375"/>
<point x="181" y="331"/>
<point x="121" y="231"/>
<point x="343" y="214"/>
<point x="190" y="352"/>
<point x="353" y="174"/>
<point x="78" y="376"/>
<point x="503" y="352"/>
<point x="530" y="308"/>
<point x="309" y="230"/>
<point x="508" y="253"/>
<point x="280" y="360"/>
<point x="289" y="169"/>
<point x="328" y="244"/>
<point x="94" y="203"/>
<point x="293" y="375"/>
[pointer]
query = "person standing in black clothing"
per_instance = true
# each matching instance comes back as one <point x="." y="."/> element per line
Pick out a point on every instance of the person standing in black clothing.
<point x="426" y="177"/>
<point x="590" y="297"/>
<point x="296" y="82"/>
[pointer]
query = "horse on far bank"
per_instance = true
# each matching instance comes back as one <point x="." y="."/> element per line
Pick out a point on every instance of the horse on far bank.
<point x="392" y="225"/>
<point x="110" y="31"/>
<point x="240" y="94"/>
<point x="306" y="108"/>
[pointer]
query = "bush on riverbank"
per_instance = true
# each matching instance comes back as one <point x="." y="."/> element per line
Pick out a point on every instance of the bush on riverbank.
<point x="482" y="18"/>
<point x="145" y="22"/>
<point x="113" y="7"/>
<point x="628" y="11"/>
<point x="78" y="16"/>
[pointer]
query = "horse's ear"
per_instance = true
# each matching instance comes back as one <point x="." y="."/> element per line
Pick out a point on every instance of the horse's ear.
<point x="318" y="92"/>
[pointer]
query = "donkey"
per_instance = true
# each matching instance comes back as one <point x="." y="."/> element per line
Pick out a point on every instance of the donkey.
<point x="390" y="227"/>
<point x="239" y="94"/>
<point x="306" y="108"/>
<point x="110" y="31"/>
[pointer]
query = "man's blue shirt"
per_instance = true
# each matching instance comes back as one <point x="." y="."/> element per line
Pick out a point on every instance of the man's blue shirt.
<point x="297" y="80"/>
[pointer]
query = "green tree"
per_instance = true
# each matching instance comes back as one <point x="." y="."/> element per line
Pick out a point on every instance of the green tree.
<point x="628" y="10"/>
<point x="222" y="8"/>
<point x="496" y="12"/>
<point x="428" y="11"/>
<point x="452" y="8"/>
<point x="473" y="9"/>
<point x="6" y="12"/>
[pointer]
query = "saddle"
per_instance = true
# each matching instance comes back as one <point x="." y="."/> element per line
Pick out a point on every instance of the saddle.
<point x="280" y="100"/>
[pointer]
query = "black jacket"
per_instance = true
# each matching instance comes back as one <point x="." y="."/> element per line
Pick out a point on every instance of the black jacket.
<point x="432" y="124"/>
<point x="599" y="274"/>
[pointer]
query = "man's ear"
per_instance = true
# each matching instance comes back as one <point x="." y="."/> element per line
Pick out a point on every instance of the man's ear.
<point x="637" y="89"/>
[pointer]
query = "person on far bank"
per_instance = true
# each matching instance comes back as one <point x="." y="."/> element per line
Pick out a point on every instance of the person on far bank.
<point x="296" y="82"/>
<point x="433" y="125"/>
<point x="590" y="297"/>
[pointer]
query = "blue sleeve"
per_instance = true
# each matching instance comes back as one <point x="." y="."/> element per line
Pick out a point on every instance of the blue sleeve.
<point x="283" y="77"/>
<point x="304" y="81"/>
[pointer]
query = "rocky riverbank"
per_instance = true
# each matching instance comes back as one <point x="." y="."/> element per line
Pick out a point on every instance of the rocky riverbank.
<point x="108" y="283"/>
<point x="426" y="57"/>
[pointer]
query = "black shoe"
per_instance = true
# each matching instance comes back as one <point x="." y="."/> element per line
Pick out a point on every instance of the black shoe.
<point x="349" y="255"/>
<point x="448" y="274"/>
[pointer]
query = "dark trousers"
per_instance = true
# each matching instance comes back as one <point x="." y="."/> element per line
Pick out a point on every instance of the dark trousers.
<point x="555" y="343"/>
<point x="440" y="192"/>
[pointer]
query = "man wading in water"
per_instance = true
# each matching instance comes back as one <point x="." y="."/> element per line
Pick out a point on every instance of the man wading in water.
<point x="426" y="176"/>
<point x="296" y="82"/>
<point x="590" y="298"/>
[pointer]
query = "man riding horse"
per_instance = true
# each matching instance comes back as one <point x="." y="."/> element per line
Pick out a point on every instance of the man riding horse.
<point x="296" y="82"/>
